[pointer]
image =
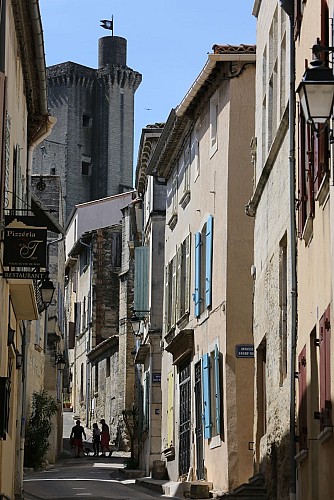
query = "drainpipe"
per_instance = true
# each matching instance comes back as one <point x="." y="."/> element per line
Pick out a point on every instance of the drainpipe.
<point x="288" y="7"/>
<point x="88" y="346"/>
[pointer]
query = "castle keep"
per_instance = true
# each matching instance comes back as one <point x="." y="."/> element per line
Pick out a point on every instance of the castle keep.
<point x="91" y="147"/>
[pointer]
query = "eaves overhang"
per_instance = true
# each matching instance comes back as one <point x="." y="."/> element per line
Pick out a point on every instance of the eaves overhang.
<point x="182" y="346"/>
<point x="23" y="297"/>
<point x="29" y="31"/>
<point x="182" y="119"/>
<point x="43" y="214"/>
<point x="103" y="349"/>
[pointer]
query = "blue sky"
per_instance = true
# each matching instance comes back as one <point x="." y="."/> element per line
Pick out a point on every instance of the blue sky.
<point x="168" y="42"/>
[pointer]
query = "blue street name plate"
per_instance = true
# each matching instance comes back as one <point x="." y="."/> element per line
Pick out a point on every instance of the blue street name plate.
<point x="244" y="351"/>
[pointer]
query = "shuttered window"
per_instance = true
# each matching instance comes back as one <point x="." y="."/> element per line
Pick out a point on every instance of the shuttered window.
<point x="146" y="400"/>
<point x="141" y="279"/>
<point x="211" y="388"/>
<point x="197" y="273"/>
<point x="170" y="409"/>
<point x="217" y="389"/>
<point x="325" y="370"/>
<point x="71" y="335"/>
<point x="207" y="424"/>
<point x="208" y="262"/>
<point x="302" y="406"/>
<point x="203" y="267"/>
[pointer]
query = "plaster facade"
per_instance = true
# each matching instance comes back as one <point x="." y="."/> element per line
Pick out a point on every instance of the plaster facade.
<point x="272" y="268"/>
<point x="203" y="153"/>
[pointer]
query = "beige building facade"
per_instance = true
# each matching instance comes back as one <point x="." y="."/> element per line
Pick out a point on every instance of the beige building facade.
<point x="207" y="362"/>
<point x="24" y="123"/>
<point x="314" y="350"/>
<point x="273" y="326"/>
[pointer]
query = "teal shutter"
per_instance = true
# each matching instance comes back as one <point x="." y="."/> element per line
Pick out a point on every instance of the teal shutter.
<point x="206" y="396"/>
<point x="197" y="273"/>
<point x="208" y="262"/>
<point x="141" y="279"/>
<point x="217" y="389"/>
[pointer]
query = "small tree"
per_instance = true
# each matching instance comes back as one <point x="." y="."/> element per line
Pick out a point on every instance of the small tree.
<point x="39" y="428"/>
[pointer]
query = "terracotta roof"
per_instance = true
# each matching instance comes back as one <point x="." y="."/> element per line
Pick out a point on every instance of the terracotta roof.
<point x="234" y="49"/>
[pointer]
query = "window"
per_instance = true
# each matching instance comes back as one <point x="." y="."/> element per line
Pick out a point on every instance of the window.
<point x="211" y="393"/>
<point x="86" y="121"/>
<point x="170" y="409"/>
<point x="302" y="407"/>
<point x="325" y="370"/>
<point x="183" y="278"/>
<point x="86" y="168"/>
<point x="77" y="317"/>
<point x="213" y="124"/>
<point x="203" y="267"/>
<point x="81" y="382"/>
<point x="177" y="285"/>
<point x="283" y="299"/>
<point x="108" y="367"/>
<point x="84" y="258"/>
<point x="146" y="400"/>
<point x="96" y="384"/>
<point x="261" y="385"/>
<point x="195" y="152"/>
<point x="170" y="294"/>
<point x="186" y="166"/>
<point x="313" y="163"/>
<point x="141" y="298"/>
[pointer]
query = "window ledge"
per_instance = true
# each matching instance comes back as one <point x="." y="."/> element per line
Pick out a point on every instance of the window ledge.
<point x="325" y="435"/>
<point x="185" y="199"/>
<point x="172" y="221"/>
<point x="300" y="457"/>
<point x="215" y="442"/>
<point x="184" y="320"/>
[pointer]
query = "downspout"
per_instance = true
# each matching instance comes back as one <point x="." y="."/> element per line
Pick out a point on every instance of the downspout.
<point x="288" y="7"/>
<point x="88" y="346"/>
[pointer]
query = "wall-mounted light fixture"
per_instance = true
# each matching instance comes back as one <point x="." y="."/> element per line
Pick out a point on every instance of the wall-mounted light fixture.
<point x="316" y="91"/>
<point x="47" y="290"/>
<point x="60" y="362"/>
<point x="135" y="323"/>
<point x="19" y="359"/>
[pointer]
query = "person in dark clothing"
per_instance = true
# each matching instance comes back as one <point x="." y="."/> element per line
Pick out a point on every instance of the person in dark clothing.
<point x="96" y="439"/>
<point x="76" y="435"/>
<point x="105" y="438"/>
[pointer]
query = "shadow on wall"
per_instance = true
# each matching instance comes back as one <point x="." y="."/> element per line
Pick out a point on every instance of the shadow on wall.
<point x="275" y="468"/>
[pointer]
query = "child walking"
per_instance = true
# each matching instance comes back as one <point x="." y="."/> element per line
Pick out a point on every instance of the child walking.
<point x="96" y="439"/>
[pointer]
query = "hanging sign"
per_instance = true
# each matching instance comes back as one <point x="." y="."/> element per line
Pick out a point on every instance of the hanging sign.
<point x="24" y="243"/>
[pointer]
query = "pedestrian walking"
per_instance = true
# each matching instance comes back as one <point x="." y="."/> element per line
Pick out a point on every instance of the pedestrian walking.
<point x="96" y="439"/>
<point x="76" y="435"/>
<point x="105" y="438"/>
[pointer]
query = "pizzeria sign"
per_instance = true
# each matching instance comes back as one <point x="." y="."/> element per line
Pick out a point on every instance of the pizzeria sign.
<point x="24" y="244"/>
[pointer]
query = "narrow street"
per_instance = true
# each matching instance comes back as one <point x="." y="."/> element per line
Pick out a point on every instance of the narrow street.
<point x="88" y="476"/>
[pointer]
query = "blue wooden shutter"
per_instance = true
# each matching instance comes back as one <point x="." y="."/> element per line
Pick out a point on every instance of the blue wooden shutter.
<point x="217" y="389"/>
<point x="141" y="279"/>
<point x="208" y="262"/>
<point x="197" y="273"/>
<point x="206" y="396"/>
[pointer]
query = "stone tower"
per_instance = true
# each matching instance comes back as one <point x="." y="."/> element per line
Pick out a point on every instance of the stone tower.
<point x="91" y="146"/>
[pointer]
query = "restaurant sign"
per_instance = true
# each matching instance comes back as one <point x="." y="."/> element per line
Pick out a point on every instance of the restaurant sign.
<point x="24" y="243"/>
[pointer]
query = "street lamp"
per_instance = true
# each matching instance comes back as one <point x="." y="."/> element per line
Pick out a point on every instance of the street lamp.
<point x="135" y="323"/>
<point x="47" y="290"/>
<point x="60" y="362"/>
<point x="316" y="93"/>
